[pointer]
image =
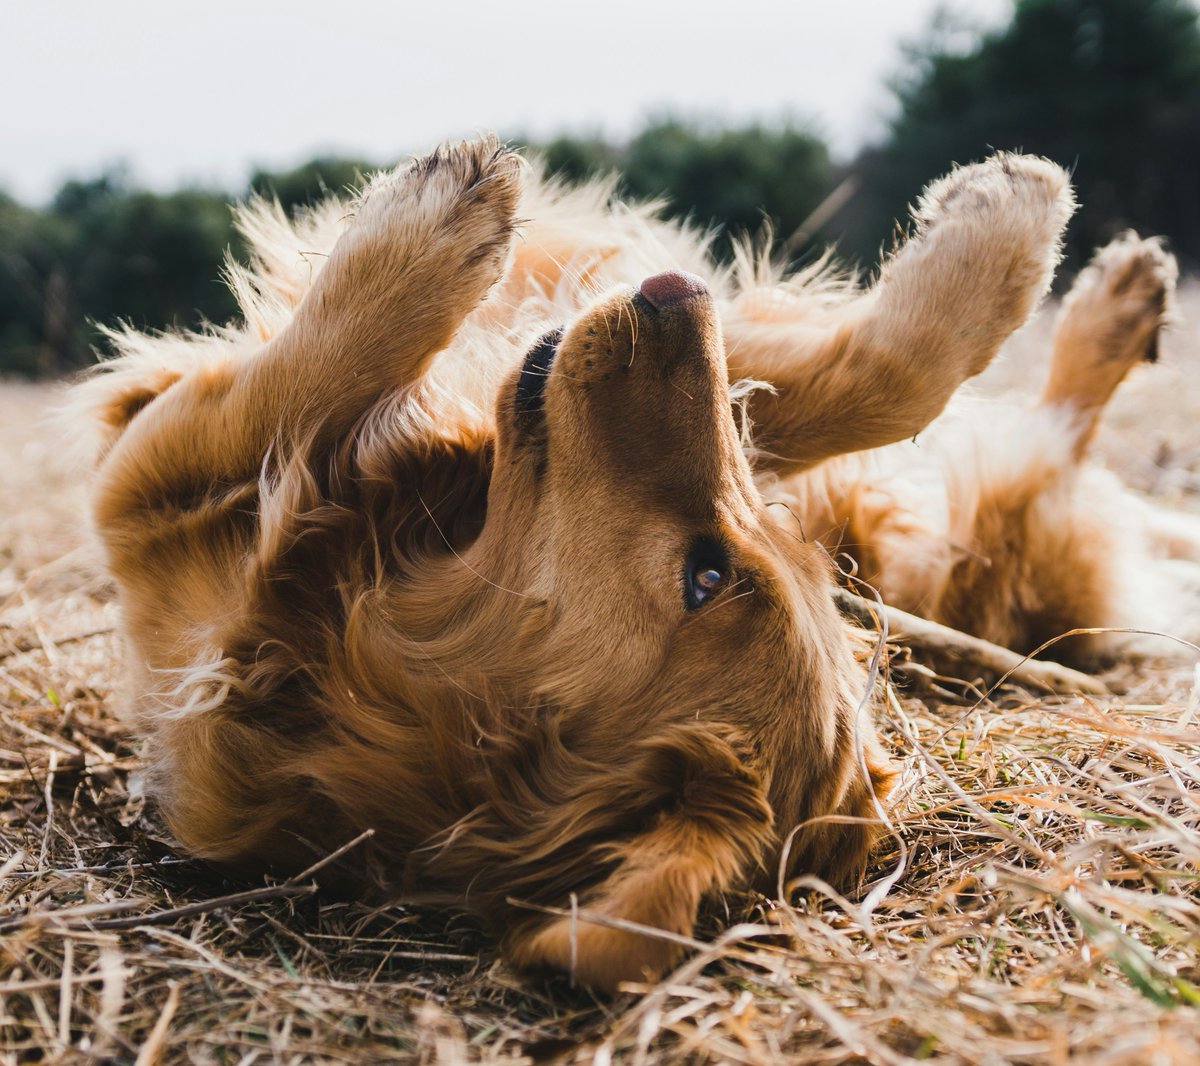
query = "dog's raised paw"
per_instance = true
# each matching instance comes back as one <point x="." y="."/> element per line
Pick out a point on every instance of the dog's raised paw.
<point x="1014" y="190"/>
<point x="458" y="203"/>
<point x="987" y="239"/>
<point x="996" y="226"/>
<point x="1128" y="290"/>
<point x="1111" y="320"/>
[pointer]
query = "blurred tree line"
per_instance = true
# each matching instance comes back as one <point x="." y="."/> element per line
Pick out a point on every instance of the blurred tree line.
<point x="1108" y="88"/>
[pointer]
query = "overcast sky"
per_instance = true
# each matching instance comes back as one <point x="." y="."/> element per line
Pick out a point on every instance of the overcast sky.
<point x="184" y="91"/>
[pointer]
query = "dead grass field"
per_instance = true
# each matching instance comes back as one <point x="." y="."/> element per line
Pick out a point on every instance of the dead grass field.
<point x="1038" y="902"/>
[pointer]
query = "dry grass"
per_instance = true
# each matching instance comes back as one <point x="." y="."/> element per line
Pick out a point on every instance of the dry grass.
<point x="1039" y="901"/>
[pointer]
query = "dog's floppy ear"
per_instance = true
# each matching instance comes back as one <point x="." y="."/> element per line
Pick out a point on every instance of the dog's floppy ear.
<point x="690" y="818"/>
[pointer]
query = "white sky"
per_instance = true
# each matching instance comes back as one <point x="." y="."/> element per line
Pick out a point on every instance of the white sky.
<point x="203" y="92"/>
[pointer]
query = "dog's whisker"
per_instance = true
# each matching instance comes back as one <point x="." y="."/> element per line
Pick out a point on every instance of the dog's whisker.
<point x="465" y="563"/>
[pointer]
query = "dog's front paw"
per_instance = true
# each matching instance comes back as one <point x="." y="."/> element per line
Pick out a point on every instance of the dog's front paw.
<point x="986" y="242"/>
<point x="1014" y="196"/>
<point x="453" y="212"/>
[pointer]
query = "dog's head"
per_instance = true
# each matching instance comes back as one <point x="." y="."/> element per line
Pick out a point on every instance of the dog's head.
<point x="675" y="634"/>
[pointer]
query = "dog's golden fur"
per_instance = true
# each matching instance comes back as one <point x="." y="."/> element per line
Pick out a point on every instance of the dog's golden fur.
<point x="992" y="522"/>
<point x="375" y="575"/>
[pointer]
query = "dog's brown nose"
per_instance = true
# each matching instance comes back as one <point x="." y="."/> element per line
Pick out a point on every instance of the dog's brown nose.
<point x="673" y="287"/>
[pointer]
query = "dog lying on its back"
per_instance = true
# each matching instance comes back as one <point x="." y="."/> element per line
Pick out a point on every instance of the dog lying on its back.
<point x="462" y="537"/>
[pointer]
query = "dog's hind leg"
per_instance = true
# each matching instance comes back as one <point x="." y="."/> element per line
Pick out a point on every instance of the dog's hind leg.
<point x="1109" y="323"/>
<point x="425" y="245"/>
<point x="985" y="245"/>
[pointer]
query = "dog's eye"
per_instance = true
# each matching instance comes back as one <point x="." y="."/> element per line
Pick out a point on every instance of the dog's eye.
<point x="705" y="573"/>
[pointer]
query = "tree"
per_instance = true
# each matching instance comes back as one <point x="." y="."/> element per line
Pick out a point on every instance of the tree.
<point x="104" y="251"/>
<point x="1107" y="88"/>
<point x="312" y="181"/>
<point x="733" y="179"/>
<point x="151" y="259"/>
<point x="25" y="262"/>
<point x="577" y="158"/>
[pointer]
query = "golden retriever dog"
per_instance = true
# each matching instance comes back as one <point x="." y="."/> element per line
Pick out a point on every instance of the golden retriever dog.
<point x="466" y="535"/>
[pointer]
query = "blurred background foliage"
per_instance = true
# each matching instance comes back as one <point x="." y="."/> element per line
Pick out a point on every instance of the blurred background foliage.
<point x="1108" y="88"/>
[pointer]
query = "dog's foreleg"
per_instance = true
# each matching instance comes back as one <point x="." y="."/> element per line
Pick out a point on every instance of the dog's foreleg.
<point x="425" y="245"/>
<point x="984" y="249"/>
